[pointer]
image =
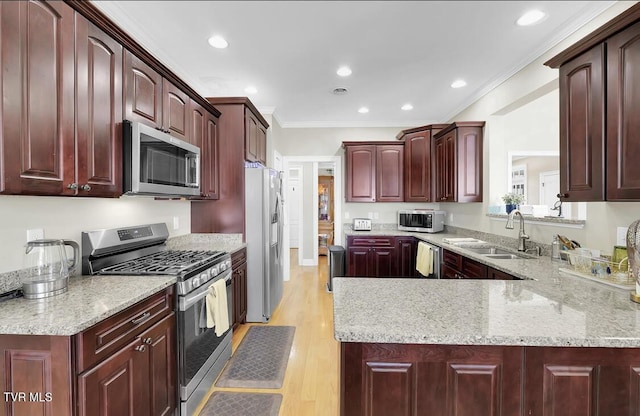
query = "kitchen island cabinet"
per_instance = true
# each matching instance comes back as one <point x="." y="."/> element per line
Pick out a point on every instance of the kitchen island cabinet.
<point x="556" y="345"/>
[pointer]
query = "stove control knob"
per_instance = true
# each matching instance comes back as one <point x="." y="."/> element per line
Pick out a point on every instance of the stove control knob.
<point x="195" y="282"/>
<point x="215" y="271"/>
<point x="223" y="266"/>
<point x="204" y="277"/>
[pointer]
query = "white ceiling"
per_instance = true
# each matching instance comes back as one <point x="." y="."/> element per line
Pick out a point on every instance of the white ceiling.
<point x="400" y="52"/>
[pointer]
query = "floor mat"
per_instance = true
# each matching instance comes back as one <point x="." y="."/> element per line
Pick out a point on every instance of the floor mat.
<point x="261" y="359"/>
<point x="222" y="403"/>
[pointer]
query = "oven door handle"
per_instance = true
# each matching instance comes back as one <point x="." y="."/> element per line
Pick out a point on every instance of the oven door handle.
<point x="187" y="301"/>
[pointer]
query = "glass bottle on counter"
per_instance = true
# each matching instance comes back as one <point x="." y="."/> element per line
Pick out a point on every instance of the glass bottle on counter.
<point x="555" y="248"/>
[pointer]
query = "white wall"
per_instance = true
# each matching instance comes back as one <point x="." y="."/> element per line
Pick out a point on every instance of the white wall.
<point x="67" y="217"/>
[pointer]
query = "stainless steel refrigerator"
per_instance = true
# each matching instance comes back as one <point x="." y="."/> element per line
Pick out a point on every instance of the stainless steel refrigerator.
<point x="263" y="228"/>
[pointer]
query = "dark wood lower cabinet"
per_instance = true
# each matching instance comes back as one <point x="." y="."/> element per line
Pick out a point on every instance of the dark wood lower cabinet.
<point x="393" y="379"/>
<point x="443" y="380"/>
<point x="239" y="282"/>
<point x="35" y="376"/>
<point x="137" y="380"/>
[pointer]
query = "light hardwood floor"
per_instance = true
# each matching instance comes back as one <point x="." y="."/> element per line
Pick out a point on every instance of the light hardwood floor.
<point x="311" y="380"/>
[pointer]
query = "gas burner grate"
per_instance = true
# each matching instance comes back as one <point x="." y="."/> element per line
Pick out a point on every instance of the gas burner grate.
<point x="170" y="262"/>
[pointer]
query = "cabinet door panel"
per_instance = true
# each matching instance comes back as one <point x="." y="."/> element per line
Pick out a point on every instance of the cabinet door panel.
<point x="389" y="173"/>
<point x="469" y="163"/>
<point x="582" y="127"/>
<point x="99" y="111"/>
<point x="143" y="88"/>
<point x="160" y="340"/>
<point x="449" y="172"/>
<point x="116" y="386"/>
<point x="175" y="107"/>
<point x="262" y="144"/>
<point x="251" y="137"/>
<point x="474" y="389"/>
<point x="384" y="262"/>
<point x="361" y="177"/>
<point x="417" y="167"/>
<point x="358" y="259"/>
<point x="210" y="159"/>
<point x="38" y="105"/>
<point x="623" y="107"/>
<point x="407" y="249"/>
<point x="389" y="389"/>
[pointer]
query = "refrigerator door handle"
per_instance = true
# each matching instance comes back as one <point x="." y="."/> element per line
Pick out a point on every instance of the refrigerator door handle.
<point x="279" y="220"/>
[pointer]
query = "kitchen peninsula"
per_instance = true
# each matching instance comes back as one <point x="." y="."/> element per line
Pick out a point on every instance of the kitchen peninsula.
<point x="548" y="344"/>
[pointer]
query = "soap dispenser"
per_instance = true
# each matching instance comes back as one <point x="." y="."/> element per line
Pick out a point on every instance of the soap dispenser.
<point x="555" y="248"/>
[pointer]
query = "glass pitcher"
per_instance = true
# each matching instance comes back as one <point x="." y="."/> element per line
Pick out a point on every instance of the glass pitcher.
<point x="47" y="267"/>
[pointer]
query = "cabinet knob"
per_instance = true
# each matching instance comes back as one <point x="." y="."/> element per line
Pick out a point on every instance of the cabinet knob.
<point x="72" y="186"/>
<point x="443" y="198"/>
<point x="85" y="187"/>
<point x="565" y="195"/>
<point x="140" y="348"/>
<point x="147" y="341"/>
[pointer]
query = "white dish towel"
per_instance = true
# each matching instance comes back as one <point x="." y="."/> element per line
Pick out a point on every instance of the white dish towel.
<point x="217" y="311"/>
<point x="424" y="259"/>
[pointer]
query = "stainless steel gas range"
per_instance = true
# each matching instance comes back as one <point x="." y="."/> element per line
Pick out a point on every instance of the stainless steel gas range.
<point x="141" y="250"/>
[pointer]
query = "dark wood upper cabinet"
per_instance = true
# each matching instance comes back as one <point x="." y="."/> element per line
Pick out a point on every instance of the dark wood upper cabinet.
<point x="623" y="115"/>
<point x="374" y="171"/>
<point x="582" y="95"/>
<point x="98" y="111"/>
<point x="599" y="103"/>
<point x="210" y="166"/>
<point x="38" y="144"/>
<point x="361" y="173"/>
<point x="255" y="138"/>
<point x="143" y="86"/>
<point x="458" y="162"/>
<point x="418" y="164"/>
<point x="175" y="107"/>
<point x="389" y="173"/>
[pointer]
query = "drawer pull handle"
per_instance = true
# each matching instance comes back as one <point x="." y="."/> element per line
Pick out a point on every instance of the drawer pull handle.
<point x="140" y="348"/>
<point x="141" y="318"/>
<point x="148" y="341"/>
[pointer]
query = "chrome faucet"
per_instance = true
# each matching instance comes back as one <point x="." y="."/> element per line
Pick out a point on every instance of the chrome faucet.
<point x="522" y="236"/>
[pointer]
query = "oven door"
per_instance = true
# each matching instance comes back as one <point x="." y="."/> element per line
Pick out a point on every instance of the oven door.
<point x="198" y="346"/>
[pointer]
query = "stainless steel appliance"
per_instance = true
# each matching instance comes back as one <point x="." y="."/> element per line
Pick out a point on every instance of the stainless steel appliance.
<point x="263" y="220"/>
<point x="141" y="250"/>
<point x="48" y="267"/>
<point x="156" y="163"/>
<point x="421" y="220"/>
<point x="437" y="260"/>
<point x="361" y="224"/>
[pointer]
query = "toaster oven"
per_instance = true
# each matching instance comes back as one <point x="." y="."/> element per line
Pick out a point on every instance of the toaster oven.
<point x="421" y="220"/>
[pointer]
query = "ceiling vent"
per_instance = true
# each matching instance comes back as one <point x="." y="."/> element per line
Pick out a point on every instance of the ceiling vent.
<point x="340" y="91"/>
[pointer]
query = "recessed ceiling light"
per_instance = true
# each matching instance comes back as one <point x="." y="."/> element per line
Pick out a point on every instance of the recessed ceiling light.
<point x="218" y="42"/>
<point x="458" y="83"/>
<point x="531" y="17"/>
<point x="363" y="110"/>
<point x="344" y="71"/>
<point x="251" y="89"/>
<point x="407" y="107"/>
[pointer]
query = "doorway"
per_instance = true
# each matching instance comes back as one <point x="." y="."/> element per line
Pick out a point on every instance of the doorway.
<point x="308" y="218"/>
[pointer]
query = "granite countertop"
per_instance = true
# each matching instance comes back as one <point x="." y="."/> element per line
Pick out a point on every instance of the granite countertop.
<point x="88" y="300"/>
<point x="91" y="299"/>
<point x="550" y="308"/>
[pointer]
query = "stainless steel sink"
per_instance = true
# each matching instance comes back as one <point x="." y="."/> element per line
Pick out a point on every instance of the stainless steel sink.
<point x="504" y="256"/>
<point x="489" y="250"/>
<point x="496" y="253"/>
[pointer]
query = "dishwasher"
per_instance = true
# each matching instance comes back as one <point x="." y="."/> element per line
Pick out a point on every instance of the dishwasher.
<point x="437" y="260"/>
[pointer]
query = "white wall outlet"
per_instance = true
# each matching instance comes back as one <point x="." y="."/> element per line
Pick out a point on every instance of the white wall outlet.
<point x="176" y="223"/>
<point x="370" y="215"/>
<point x="621" y="236"/>
<point x="451" y="218"/>
<point x="375" y="215"/>
<point x="35" y="234"/>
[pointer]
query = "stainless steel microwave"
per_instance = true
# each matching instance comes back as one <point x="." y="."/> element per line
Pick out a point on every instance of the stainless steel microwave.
<point x="423" y="221"/>
<point x="158" y="164"/>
